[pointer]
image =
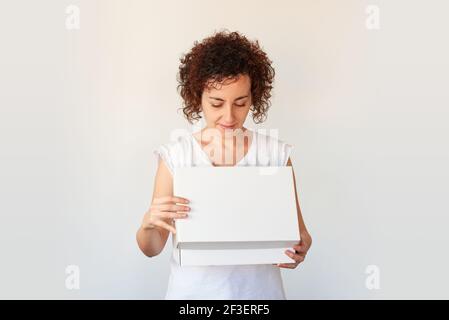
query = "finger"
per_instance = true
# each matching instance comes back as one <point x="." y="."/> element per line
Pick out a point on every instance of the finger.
<point x="173" y="199"/>
<point x="165" y="225"/>
<point x="287" y="265"/>
<point x="296" y="257"/>
<point x="172" y="215"/>
<point x="170" y="207"/>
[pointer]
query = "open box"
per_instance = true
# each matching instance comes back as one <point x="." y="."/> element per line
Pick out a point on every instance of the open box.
<point x="239" y="215"/>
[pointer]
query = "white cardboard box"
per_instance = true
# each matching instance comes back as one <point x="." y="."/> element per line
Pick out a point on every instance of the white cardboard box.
<point x="239" y="215"/>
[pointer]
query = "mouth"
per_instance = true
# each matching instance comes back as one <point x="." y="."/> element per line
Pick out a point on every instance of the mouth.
<point x="226" y="127"/>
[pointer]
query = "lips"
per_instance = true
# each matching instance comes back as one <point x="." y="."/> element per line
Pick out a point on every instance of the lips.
<point x="226" y="127"/>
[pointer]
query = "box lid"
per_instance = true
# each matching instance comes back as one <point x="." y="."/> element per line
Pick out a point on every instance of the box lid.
<point x="236" y="204"/>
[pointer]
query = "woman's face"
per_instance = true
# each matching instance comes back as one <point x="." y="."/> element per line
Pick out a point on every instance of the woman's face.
<point x="227" y="106"/>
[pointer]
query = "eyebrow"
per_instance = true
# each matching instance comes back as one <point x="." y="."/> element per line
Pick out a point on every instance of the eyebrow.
<point x="216" y="98"/>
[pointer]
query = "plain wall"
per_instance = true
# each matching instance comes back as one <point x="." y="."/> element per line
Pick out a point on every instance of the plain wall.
<point x="83" y="109"/>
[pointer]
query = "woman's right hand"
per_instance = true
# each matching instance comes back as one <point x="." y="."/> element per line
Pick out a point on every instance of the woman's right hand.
<point x="163" y="208"/>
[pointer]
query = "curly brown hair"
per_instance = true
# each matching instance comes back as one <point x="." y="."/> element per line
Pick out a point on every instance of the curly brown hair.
<point x="219" y="57"/>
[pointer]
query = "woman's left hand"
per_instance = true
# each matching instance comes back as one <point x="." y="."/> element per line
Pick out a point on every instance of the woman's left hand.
<point x="300" y="251"/>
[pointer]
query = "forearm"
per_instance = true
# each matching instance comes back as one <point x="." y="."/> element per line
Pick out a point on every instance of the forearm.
<point x="304" y="233"/>
<point x="302" y="226"/>
<point x="150" y="241"/>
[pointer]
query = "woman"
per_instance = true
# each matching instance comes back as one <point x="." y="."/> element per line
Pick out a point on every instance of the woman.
<point x="221" y="79"/>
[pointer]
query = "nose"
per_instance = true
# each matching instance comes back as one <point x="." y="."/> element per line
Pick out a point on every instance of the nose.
<point x="228" y="116"/>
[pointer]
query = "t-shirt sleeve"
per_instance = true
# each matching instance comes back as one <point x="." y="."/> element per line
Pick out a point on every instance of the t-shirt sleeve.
<point x="285" y="151"/>
<point x="164" y="152"/>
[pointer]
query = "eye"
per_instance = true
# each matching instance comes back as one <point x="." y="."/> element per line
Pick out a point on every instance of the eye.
<point x="216" y="105"/>
<point x="240" y="105"/>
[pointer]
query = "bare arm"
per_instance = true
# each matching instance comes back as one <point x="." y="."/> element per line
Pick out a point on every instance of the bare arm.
<point x="302" y="226"/>
<point x="152" y="241"/>
<point x="305" y="243"/>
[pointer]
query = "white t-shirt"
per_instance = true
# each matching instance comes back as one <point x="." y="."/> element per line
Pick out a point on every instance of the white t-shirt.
<point x="231" y="282"/>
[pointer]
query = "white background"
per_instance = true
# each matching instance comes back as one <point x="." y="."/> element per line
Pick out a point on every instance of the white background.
<point x="82" y="110"/>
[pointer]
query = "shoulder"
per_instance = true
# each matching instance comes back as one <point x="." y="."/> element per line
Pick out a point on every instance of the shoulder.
<point x="172" y="152"/>
<point x="177" y="144"/>
<point x="278" y="149"/>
